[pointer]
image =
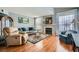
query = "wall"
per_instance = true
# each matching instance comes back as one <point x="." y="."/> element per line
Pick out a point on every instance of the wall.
<point x="18" y="25"/>
<point x="39" y="24"/>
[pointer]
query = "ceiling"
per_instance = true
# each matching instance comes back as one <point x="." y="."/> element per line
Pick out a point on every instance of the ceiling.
<point x="62" y="9"/>
<point x="35" y="11"/>
<point x="30" y="11"/>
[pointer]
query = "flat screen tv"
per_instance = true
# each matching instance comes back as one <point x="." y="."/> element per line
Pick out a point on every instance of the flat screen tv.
<point x="30" y="28"/>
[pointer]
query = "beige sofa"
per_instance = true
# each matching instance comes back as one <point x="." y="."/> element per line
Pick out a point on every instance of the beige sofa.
<point x="13" y="37"/>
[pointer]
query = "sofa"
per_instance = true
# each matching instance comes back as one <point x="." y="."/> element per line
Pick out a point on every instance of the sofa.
<point x="26" y="29"/>
<point x="30" y="30"/>
<point x="67" y="37"/>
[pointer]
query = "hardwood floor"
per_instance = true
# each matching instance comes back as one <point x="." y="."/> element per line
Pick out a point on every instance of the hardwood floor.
<point x="68" y="47"/>
<point x="49" y="44"/>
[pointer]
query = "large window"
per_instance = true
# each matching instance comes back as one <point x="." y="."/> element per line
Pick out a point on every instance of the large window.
<point x="66" y="22"/>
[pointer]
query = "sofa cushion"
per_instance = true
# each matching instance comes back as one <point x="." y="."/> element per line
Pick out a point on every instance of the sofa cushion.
<point x="63" y="32"/>
<point x="31" y="28"/>
<point x="19" y="29"/>
<point x="23" y="29"/>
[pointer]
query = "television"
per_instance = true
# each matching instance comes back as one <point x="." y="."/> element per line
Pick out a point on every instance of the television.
<point x="30" y="28"/>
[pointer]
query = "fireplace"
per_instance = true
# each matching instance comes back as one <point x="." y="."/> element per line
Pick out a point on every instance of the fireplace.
<point x="48" y="30"/>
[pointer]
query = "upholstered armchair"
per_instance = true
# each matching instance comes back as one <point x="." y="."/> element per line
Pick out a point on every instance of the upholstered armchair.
<point x="13" y="37"/>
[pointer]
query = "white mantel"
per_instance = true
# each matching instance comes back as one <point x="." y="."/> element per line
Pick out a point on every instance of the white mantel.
<point x="49" y="26"/>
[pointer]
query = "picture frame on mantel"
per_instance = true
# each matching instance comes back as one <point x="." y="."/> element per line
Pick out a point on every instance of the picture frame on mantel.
<point x="48" y="20"/>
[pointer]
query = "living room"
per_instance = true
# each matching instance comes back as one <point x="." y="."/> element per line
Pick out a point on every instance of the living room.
<point x="38" y="29"/>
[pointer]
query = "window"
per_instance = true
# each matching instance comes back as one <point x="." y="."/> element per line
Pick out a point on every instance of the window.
<point x="65" y="22"/>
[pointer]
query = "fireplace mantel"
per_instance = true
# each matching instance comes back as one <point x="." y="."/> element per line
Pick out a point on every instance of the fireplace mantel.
<point x="48" y="22"/>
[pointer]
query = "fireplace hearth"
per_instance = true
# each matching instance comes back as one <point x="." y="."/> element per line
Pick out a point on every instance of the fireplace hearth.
<point x="48" y="30"/>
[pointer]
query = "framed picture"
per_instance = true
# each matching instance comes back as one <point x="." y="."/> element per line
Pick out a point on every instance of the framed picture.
<point x="20" y="19"/>
<point x="48" y="20"/>
<point x="26" y="20"/>
<point x="23" y="20"/>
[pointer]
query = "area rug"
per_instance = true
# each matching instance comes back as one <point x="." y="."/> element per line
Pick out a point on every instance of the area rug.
<point x="35" y="39"/>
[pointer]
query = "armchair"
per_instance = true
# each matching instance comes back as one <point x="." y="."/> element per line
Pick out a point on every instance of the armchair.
<point x="12" y="36"/>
